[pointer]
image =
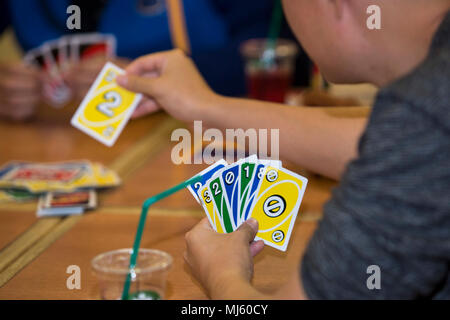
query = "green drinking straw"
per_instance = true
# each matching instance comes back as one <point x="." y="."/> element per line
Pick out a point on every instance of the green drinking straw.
<point x="140" y="228"/>
<point x="274" y="31"/>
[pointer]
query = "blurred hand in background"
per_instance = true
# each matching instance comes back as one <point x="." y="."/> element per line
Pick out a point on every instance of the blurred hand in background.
<point x="20" y="90"/>
<point x="81" y="76"/>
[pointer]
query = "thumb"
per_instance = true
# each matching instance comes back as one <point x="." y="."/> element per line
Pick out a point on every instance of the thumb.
<point x="137" y="84"/>
<point x="248" y="229"/>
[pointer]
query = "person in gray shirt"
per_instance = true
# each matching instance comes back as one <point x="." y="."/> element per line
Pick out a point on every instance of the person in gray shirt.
<point x="392" y="208"/>
<point x="385" y="233"/>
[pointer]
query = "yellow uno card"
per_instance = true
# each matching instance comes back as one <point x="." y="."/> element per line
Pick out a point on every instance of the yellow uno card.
<point x="210" y="210"/>
<point x="276" y="205"/>
<point x="5" y="197"/>
<point x="107" y="107"/>
<point x="104" y="177"/>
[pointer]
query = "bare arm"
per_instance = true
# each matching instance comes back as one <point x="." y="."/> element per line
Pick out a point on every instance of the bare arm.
<point x="225" y="266"/>
<point x="237" y="289"/>
<point x="310" y="137"/>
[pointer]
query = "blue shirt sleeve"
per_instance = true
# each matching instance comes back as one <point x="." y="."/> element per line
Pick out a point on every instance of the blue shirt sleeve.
<point x="223" y="68"/>
<point x="4" y="16"/>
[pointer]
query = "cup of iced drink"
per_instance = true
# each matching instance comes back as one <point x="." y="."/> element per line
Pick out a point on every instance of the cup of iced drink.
<point x="148" y="280"/>
<point x="269" y="69"/>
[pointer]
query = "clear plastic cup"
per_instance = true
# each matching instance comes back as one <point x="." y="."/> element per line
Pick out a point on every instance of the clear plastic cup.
<point x="111" y="269"/>
<point x="269" y="81"/>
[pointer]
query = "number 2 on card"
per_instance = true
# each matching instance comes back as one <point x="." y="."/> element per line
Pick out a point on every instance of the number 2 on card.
<point x="107" y="107"/>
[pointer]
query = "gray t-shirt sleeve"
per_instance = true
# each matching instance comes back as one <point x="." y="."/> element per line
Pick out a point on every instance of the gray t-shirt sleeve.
<point x="392" y="210"/>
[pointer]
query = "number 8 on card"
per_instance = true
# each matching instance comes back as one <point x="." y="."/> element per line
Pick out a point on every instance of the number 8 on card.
<point x="107" y="107"/>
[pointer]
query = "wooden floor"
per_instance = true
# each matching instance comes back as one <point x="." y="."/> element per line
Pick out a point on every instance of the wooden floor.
<point x="35" y="253"/>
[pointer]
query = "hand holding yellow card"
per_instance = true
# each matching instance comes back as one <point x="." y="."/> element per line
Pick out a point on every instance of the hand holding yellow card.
<point x="107" y="107"/>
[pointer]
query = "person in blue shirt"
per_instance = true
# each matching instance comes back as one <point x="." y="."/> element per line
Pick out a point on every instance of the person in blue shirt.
<point x="214" y="28"/>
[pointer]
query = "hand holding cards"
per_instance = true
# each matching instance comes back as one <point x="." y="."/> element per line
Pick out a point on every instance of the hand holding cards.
<point x="261" y="189"/>
<point x="107" y="107"/>
<point x="55" y="56"/>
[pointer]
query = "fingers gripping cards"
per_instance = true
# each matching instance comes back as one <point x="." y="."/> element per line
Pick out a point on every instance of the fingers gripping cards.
<point x="261" y="189"/>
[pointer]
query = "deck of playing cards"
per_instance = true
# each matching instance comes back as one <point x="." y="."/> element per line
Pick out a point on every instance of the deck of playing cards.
<point x="62" y="203"/>
<point x="107" y="107"/>
<point x="262" y="189"/>
<point x="54" y="57"/>
<point x="58" y="177"/>
<point x="64" y="188"/>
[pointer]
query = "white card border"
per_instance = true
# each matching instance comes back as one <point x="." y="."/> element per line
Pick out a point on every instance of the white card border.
<point x="296" y="209"/>
<point x="88" y="97"/>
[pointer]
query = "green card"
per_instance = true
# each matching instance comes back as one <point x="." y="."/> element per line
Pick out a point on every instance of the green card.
<point x="216" y="190"/>
<point x="247" y="171"/>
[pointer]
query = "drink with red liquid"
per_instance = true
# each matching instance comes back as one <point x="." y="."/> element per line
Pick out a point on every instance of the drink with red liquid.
<point x="269" y="80"/>
<point x="269" y="85"/>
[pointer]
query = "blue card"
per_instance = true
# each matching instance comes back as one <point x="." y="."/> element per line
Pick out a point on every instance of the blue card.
<point x="230" y="182"/>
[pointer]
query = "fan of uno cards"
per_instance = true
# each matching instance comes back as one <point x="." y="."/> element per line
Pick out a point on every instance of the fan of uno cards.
<point x="261" y="189"/>
<point x="55" y="56"/>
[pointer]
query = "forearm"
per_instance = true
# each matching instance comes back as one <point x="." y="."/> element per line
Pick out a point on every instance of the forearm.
<point x="232" y="287"/>
<point x="309" y="137"/>
<point x="235" y="289"/>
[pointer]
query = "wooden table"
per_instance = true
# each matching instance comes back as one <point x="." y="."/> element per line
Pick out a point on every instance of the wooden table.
<point x="35" y="253"/>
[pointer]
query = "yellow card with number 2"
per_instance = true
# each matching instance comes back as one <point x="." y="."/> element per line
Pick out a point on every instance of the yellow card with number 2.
<point x="107" y="107"/>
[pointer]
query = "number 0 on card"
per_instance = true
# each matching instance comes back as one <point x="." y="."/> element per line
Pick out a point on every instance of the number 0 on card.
<point x="107" y="107"/>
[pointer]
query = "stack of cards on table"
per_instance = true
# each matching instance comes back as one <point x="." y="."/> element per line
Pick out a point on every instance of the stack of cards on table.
<point x="66" y="203"/>
<point x="15" y="195"/>
<point x="107" y="107"/>
<point x="251" y="188"/>
<point x="55" y="56"/>
<point x="69" y="181"/>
